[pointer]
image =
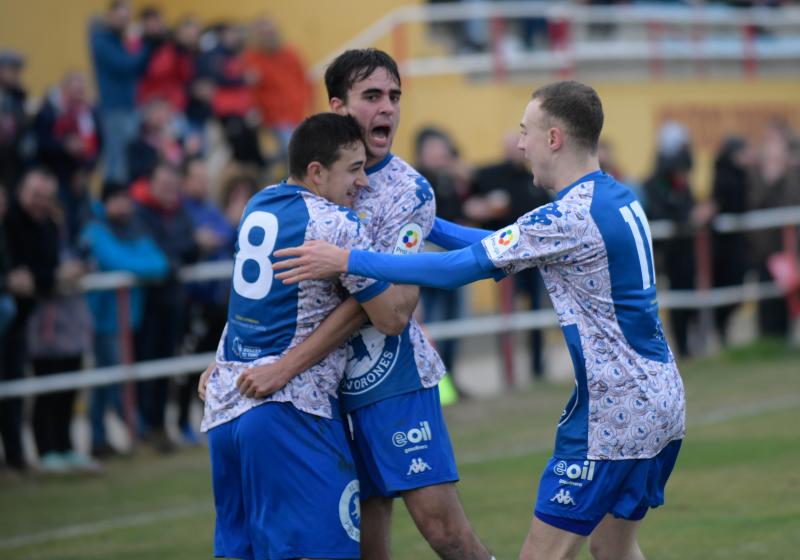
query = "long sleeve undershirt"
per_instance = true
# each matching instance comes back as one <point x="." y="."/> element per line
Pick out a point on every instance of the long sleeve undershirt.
<point x="438" y="270"/>
<point x="450" y="236"/>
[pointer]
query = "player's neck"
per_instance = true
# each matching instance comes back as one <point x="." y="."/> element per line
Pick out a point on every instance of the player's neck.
<point x="574" y="170"/>
<point x="303" y="183"/>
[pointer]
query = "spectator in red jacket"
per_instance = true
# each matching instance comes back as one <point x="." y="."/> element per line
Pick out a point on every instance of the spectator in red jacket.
<point x="282" y="91"/>
<point x="172" y="67"/>
<point x="233" y="101"/>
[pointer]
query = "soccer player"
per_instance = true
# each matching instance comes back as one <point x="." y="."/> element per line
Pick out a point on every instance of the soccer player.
<point x="398" y="435"/>
<point x="284" y="481"/>
<point x="620" y="433"/>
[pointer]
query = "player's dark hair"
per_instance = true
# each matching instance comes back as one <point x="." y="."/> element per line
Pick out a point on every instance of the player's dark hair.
<point x="576" y="106"/>
<point x="355" y="65"/>
<point x="319" y="138"/>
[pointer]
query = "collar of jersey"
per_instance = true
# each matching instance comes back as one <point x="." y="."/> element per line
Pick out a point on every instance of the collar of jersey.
<point x="380" y="165"/>
<point x="292" y="186"/>
<point x="593" y="175"/>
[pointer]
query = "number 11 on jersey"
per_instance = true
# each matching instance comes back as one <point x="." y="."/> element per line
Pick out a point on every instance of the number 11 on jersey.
<point x="634" y="216"/>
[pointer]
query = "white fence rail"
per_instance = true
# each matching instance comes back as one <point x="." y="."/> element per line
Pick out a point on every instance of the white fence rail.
<point x="460" y="328"/>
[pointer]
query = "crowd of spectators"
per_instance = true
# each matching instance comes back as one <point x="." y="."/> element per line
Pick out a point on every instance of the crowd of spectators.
<point x="122" y="182"/>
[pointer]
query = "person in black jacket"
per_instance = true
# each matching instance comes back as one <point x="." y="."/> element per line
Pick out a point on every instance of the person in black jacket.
<point x="729" y="250"/>
<point x="13" y="120"/>
<point x="33" y="250"/>
<point x="668" y="196"/>
<point x="512" y="179"/>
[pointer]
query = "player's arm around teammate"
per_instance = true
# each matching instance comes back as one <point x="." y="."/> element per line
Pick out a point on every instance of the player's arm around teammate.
<point x="593" y="243"/>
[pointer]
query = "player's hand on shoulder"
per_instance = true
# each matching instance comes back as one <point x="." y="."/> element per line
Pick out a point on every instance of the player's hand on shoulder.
<point x="313" y="260"/>
<point x="262" y="380"/>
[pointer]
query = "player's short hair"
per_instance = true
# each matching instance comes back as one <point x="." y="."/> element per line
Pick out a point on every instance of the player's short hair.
<point x="355" y="65"/>
<point x="319" y="138"/>
<point x="577" y="107"/>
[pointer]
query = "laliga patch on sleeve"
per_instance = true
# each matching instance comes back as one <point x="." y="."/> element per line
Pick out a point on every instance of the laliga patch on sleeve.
<point x="501" y="241"/>
<point x="409" y="240"/>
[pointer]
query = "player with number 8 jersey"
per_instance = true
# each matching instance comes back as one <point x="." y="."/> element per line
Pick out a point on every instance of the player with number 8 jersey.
<point x="285" y="485"/>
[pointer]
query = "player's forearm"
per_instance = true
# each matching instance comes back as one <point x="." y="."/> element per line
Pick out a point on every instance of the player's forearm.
<point x="450" y="236"/>
<point x="408" y="299"/>
<point x="346" y="319"/>
<point x="438" y="270"/>
<point x="391" y="311"/>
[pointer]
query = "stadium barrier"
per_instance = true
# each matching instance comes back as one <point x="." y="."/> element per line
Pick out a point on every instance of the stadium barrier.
<point x="705" y="298"/>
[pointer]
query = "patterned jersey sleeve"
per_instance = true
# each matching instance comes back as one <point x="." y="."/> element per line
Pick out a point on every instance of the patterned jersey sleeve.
<point x="348" y="233"/>
<point x="553" y="233"/>
<point x="409" y="218"/>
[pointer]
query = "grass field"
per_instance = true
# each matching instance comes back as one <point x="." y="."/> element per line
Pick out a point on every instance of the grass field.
<point x="735" y="492"/>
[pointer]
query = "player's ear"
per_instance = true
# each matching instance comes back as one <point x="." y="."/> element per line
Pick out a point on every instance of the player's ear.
<point x="314" y="172"/>
<point x="337" y="106"/>
<point x="555" y="138"/>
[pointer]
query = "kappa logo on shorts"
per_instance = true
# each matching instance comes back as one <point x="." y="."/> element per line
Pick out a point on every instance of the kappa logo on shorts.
<point x="350" y="510"/>
<point x="418" y="465"/>
<point x="563" y="497"/>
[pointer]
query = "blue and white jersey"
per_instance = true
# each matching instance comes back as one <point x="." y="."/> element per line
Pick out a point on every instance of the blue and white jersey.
<point x="594" y="250"/>
<point x="267" y="318"/>
<point x="397" y="210"/>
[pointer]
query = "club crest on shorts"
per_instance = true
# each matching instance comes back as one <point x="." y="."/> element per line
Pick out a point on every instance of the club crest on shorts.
<point x="350" y="510"/>
<point x="501" y="241"/>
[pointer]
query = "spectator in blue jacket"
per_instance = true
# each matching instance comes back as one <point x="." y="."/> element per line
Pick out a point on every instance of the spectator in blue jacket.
<point x="114" y="242"/>
<point x="117" y="66"/>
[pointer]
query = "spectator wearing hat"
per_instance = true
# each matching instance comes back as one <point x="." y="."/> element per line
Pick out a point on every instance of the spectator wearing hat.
<point x="113" y="241"/>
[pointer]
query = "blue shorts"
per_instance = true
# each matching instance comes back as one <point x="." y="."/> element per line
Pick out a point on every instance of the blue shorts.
<point x="575" y="495"/>
<point x="401" y="443"/>
<point x="284" y="486"/>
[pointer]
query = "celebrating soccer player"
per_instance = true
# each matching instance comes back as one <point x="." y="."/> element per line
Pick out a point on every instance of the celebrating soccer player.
<point x="620" y="433"/>
<point x="284" y="480"/>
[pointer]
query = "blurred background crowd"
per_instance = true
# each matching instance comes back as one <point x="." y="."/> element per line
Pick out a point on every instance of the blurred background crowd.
<point x="145" y="166"/>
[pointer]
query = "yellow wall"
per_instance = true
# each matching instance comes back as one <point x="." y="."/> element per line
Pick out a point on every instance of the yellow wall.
<point x="52" y="34"/>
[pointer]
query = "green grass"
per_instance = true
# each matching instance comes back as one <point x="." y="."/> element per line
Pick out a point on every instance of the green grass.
<point x="735" y="492"/>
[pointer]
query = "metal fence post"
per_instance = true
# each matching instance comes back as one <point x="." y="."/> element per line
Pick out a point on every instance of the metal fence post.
<point x="127" y="352"/>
